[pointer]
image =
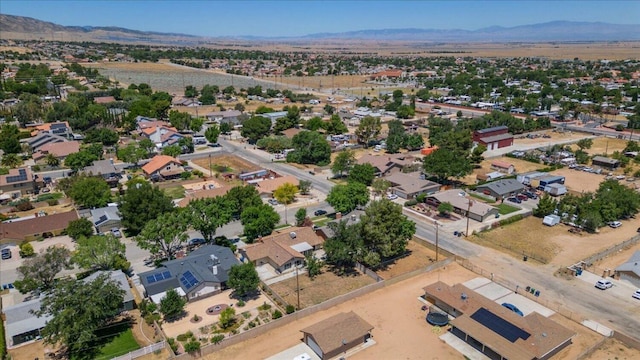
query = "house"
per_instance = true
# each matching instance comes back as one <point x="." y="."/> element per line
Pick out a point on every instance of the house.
<point x="22" y="325"/>
<point x="61" y="128"/>
<point x="35" y="227"/>
<point x="462" y="205"/>
<point x="495" y="330"/>
<point x="410" y="185"/>
<point x="203" y="194"/>
<point x="228" y="116"/>
<point x="274" y="116"/>
<point x="163" y="167"/>
<point x="18" y="182"/>
<point x="162" y="136"/>
<point x="490" y="176"/>
<point x="104" y="168"/>
<point x="630" y="270"/>
<point x="387" y="164"/>
<point x="605" y="162"/>
<point x="283" y="249"/>
<point x="204" y="272"/>
<point x="493" y="138"/>
<point x="268" y="186"/>
<point x="338" y="334"/>
<point x="387" y="74"/>
<point x="503" y="166"/>
<point x="42" y="139"/>
<point x="58" y="149"/>
<point x="189" y="102"/>
<point x="106" y="218"/>
<point x="501" y="189"/>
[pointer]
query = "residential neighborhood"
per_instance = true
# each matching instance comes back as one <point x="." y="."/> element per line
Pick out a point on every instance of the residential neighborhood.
<point x="482" y="207"/>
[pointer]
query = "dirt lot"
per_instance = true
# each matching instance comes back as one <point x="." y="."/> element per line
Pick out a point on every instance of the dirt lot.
<point x="579" y="181"/>
<point x="323" y="82"/>
<point x="323" y="287"/>
<point x="554" y="245"/>
<point x="235" y="163"/>
<point x="400" y="330"/>
<point x="583" y="340"/>
<point x="613" y="349"/>
<point x="603" y="145"/>
<point x="420" y="257"/>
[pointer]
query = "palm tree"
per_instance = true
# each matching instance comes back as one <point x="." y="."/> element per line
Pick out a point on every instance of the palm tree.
<point x="11" y="160"/>
<point x="52" y="160"/>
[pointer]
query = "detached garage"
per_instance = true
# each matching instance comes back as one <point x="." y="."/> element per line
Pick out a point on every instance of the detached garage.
<point x="337" y="334"/>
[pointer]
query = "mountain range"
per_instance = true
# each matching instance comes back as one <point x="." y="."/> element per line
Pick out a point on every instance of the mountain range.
<point x="25" y="28"/>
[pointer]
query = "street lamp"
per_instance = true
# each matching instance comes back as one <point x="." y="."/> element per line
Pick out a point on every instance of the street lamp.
<point x="466" y="234"/>
<point x="437" y="225"/>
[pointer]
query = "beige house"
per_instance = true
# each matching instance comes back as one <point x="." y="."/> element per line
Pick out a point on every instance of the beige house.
<point x="17" y="182"/>
<point x="163" y="166"/>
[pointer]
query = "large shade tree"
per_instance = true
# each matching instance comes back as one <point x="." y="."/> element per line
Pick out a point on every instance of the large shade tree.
<point x="165" y="234"/>
<point x="141" y="203"/>
<point x="38" y="273"/>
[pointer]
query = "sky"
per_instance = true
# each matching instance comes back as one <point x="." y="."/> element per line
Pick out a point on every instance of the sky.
<point x="302" y="17"/>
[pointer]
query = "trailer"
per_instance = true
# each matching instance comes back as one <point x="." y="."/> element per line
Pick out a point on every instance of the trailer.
<point x="555" y="189"/>
<point x="551" y="220"/>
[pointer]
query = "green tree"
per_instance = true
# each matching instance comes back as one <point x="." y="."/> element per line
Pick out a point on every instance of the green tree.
<point x="11" y="160"/>
<point x="545" y="207"/>
<point x="101" y="253"/>
<point x="10" y="139"/>
<point x="147" y="146"/>
<point x="445" y="209"/>
<point x="314" y="266"/>
<point x="304" y="186"/>
<point x="255" y="128"/>
<point x="335" y="126"/>
<point x="585" y="143"/>
<point x="193" y="346"/>
<point x="52" y="160"/>
<point x="345" y="198"/>
<point x="241" y="198"/>
<point x="380" y="186"/>
<point x="38" y="272"/>
<point x="79" y="228"/>
<point x="397" y="136"/>
<point x="79" y="160"/>
<point x="243" y="279"/>
<point x="414" y="142"/>
<point x="225" y="128"/>
<point x="78" y="309"/>
<point x="343" y="162"/>
<point x="227" y="317"/>
<point x="405" y="112"/>
<point x="285" y="194"/>
<point x="444" y="163"/>
<point x="172" y="305"/>
<point x="105" y="136"/>
<point x="141" y="203"/>
<point x="301" y="215"/>
<point x="314" y="124"/>
<point x="368" y="129"/>
<point x="476" y="154"/>
<point x="29" y="109"/>
<point x="362" y="173"/>
<point x="212" y="133"/>
<point x="385" y="231"/>
<point x="90" y="192"/>
<point x="164" y="234"/>
<point x="346" y="245"/>
<point x="172" y="150"/>
<point x="209" y="214"/>
<point x="26" y="250"/>
<point x="310" y="148"/>
<point x="131" y="153"/>
<point x="259" y="221"/>
<point x="186" y="145"/>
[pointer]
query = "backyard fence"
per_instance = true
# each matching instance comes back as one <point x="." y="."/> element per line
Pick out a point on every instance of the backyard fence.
<point x="142" y="352"/>
<point x="608" y="251"/>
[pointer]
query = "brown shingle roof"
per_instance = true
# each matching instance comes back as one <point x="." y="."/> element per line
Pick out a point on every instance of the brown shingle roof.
<point x="203" y="194"/>
<point x="60" y="149"/>
<point x="330" y="334"/>
<point x="277" y="246"/>
<point x="268" y="186"/>
<point x="49" y="223"/>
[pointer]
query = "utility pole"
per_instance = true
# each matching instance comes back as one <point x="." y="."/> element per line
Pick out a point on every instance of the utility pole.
<point x="435" y="222"/>
<point x="297" y="287"/>
<point x="210" y="169"/>
<point x="466" y="234"/>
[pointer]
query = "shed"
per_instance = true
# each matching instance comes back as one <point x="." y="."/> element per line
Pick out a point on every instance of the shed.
<point x="630" y="270"/>
<point x="337" y="334"/>
<point x="605" y="162"/>
<point x="551" y="220"/>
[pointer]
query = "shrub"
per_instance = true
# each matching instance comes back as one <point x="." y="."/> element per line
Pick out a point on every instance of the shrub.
<point x="264" y="306"/>
<point x="276" y="314"/>
<point x="185" y="175"/>
<point x="192" y="346"/>
<point x="24" y="205"/>
<point x="411" y="202"/>
<point x="290" y="309"/>
<point x="52" y="202"/>
<point x="196" y="318"/>
<point x="26" y="250"/>
<point x="240" y="303"/>
<point x="510" y="220"/>
<point x="217" y="339"/>
<point x="184" y="337"/>
<point x="173" y="345"/>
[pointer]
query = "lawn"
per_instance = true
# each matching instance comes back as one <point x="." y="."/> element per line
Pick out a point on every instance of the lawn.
<point x="505" y="209"/>
<point x="175" y="192"/>
<point x="119" y="345"/>
<point x="323" y="287"/>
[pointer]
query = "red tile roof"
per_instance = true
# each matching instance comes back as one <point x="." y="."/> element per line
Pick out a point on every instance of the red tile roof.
<point x="157" y="163"/>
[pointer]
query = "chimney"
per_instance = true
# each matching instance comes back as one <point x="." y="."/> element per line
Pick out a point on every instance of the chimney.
<point x="214" y="268"/>
<point x="338" y="215"/>
<point x="293" y="234"/>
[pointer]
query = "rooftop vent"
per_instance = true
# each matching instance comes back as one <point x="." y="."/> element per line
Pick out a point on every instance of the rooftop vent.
<point x="463" y="296"/>
<point x="293" y="234"/>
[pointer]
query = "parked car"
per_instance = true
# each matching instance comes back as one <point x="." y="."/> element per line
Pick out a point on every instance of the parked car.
<point x="320" y="212"/>
<point x="273" y="202"/>
<point x="514" y="200"/>
<point x="513" y="308"/>
<point x="392" y="196"/>
<point x="116" y="232"/>
<point x="615" y="224"/>
<point x="6" y="254"/>
<point x="522" y="197"/>
<point x="603" y="284"/>
<point x="636" y="295"/>
<point x="530" y="195"/>
<point x="214" y="145"/>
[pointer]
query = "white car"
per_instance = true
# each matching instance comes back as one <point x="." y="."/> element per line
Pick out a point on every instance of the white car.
<point x="392" y="196"/>
<point x="604" y="284"/>
<point x="636" y="295"/>
<point x="615" y="224"/>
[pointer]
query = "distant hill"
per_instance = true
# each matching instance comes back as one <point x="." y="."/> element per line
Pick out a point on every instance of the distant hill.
<point x="25" y="28"/>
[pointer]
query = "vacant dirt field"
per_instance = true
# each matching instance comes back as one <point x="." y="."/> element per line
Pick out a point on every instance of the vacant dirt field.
<point x="603" y="145"/>
<point x="323" y="82"/>
<point x="323" y="287"/>
<point x="234" y="163"/>
<point x="554" y="245"/>
<point x="579" y="181"/>
<point x="420" y="257"/>
<point x="613" y="349"/>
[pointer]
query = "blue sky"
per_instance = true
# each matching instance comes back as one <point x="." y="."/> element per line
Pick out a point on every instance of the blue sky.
<point x="301" y="17"/>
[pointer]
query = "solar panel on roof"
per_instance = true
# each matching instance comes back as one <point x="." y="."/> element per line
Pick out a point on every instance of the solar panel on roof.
<point x="188" y="280"/>
<point x="22" y="176"/>
<point x="151" y="279"/>
<point x="499" y="325"/>
<point x="166" y="274"/>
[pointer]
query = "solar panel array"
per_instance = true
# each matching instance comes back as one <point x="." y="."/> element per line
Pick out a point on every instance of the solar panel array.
<point x="158" y="277"/>
<point x="22" y="176"/>
<point x="499" y="325"/>
<point x="188" y="280"/>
